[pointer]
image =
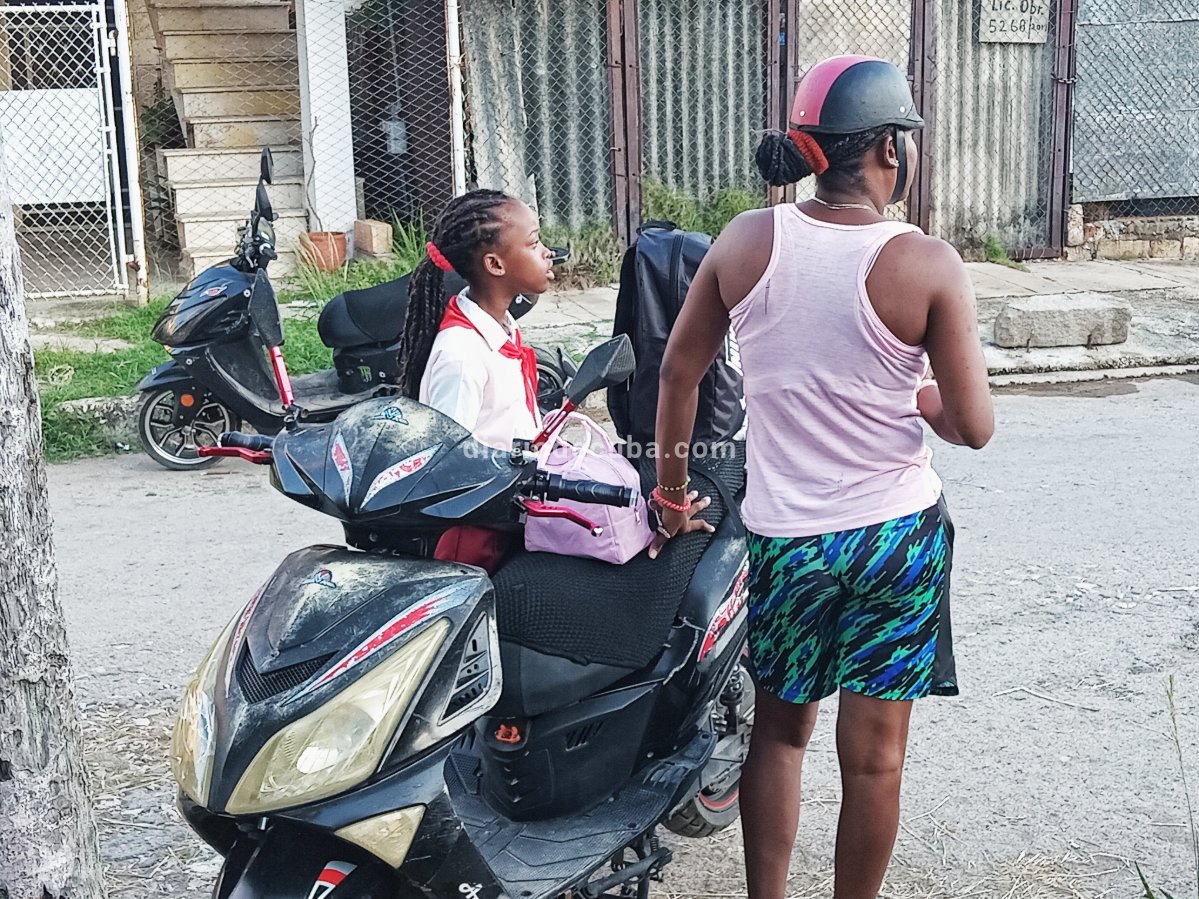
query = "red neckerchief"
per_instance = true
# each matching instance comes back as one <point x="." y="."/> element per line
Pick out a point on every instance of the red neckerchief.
<point x="512" y="348"/>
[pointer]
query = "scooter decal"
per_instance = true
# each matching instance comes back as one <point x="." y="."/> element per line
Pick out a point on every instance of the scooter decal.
<point x="471" y="891"/>
<point x="341" y="459"/>
<point x="323" y="578"/>
<point x="399" y="471"/>
<point x="235" y="643"/>
<point x="392" y="413"/>
<point x="726" y="614"/>
<point x="402" y="624"/>
<point x="332" y="875"/>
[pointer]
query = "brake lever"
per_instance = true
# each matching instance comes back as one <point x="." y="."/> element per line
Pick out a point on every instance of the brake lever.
<point x="535" y="508"/>
<point x="258" y="457"/>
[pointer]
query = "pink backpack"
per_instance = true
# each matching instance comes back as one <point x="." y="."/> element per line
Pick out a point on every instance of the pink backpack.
<point x="626" y="532"/>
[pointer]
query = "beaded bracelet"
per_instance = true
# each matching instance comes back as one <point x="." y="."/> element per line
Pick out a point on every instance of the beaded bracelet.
<point x="657" y="497"/>
<point x="684" y="486"/>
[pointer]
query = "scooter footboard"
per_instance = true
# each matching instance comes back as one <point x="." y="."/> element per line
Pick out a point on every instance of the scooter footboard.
<point x="287" y="861"/>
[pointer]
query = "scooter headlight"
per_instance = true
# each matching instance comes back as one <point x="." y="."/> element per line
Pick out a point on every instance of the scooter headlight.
<point x="193" y="742"/>
<point x="341" y="743"/>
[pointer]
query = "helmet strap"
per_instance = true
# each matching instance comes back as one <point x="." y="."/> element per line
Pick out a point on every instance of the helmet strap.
<point x="901" y="175"/>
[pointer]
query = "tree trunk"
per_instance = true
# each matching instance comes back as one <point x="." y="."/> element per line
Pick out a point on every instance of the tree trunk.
<point x="48" y="843"/>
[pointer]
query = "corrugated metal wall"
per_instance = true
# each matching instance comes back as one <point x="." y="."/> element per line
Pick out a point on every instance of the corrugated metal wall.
<point x="704" y="91"/>
<point x="993" y="142"/>
<point x="538" y="106"/>
<point x="1136" y="101"/>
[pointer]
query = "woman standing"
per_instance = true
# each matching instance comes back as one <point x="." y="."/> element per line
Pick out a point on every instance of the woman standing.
<point x="839" y="313"/>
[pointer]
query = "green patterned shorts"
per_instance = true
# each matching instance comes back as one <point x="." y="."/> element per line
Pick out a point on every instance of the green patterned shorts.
<point x="865" y="609"/>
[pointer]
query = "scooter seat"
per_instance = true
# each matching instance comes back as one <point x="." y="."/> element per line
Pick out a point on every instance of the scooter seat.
<point x="361" y="317"/>
<point x="569" y="627"/>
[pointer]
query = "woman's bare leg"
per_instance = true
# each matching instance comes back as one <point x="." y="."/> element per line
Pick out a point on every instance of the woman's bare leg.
<point x="872" y="737"/>
<point x="770" y="791"/>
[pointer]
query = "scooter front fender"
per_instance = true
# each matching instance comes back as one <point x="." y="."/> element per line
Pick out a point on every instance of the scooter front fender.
<point x="290" y="862"/>
<point x="168" y="374"/>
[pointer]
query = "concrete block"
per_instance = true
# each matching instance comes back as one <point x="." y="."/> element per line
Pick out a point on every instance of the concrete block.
<point x="1080" y="319"/>
<point x="220" y="230"/>
<point x="1084" y="253"/>
<point x="230" y="45"/>
<point x="187" y="73"/>
<point x="1122" y="249"/>
<point x="234" y="196"/>
<point x="372" y="238"/>
<point x="1190" y="248"/>
<point x="1074" y="226"/>
<point x="250" y="17"/>
<point x="1165" y="249"/>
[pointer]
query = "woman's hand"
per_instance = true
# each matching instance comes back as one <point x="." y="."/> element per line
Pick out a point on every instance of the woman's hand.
<point x="675" y="523"/>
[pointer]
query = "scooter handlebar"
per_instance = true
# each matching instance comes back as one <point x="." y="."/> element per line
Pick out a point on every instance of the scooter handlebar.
<point x="589" y="492"/>
<point x="257" y="442"/>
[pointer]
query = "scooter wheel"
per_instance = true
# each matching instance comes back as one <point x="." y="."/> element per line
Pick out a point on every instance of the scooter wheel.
<point x="176" y="446"/>
<point x="705" y="815"/>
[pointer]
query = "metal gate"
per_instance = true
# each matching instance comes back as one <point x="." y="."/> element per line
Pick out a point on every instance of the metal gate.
<point x="60" y="143"/>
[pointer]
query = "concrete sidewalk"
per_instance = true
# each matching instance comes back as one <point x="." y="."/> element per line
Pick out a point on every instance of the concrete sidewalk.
<point x="1164" y="331"/>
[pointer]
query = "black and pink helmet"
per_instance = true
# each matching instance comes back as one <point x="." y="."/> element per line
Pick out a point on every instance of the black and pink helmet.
<point x="847" y="94"/>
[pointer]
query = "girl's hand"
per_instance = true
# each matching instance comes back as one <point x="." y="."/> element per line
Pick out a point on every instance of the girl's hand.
<point x="675" y="523"/>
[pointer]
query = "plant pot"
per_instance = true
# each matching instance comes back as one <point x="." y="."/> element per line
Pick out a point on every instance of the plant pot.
<point x="324" y="251"/>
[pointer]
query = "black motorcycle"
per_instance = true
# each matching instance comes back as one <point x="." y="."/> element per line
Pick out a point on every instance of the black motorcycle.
<point x="218" y="377"/>
<point x="375" y="723"/>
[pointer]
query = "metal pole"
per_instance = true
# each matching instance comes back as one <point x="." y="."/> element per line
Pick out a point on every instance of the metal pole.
<point x="135" y="261"/>
<point x="453" y="44"/>
<point x="1063" y="115"/>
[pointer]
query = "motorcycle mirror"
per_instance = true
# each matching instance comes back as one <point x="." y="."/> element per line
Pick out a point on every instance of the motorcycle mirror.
<point x="560" y="255"/>
<point x="264" y="311"/>
<point x="262" y="203"/>
<point x="266" y="166"/>
<point x="607" y="365"/>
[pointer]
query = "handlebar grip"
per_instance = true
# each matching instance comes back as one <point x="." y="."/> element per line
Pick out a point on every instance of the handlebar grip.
<point x="590" y="492"/>
<point x="256" y="442"/>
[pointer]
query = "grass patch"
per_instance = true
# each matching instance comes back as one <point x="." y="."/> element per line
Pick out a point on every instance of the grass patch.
<point x="692" y="214"/>
<point x="994" y="251"/>
<point x="595" y="254"/>
<point x="64" y="375"/>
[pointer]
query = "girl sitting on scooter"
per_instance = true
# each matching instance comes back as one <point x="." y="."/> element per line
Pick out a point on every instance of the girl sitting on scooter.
<point x="464" y="357"/>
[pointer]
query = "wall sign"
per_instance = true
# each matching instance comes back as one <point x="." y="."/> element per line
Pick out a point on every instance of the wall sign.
<point x="1014" y="22"/>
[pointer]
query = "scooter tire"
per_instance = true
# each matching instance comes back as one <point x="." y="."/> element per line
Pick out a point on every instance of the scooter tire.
<point x="160" y="454"/>
<point x="705" y="815"/>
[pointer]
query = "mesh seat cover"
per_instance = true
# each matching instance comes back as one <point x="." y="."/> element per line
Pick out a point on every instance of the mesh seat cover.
<point x="596" y="612"/>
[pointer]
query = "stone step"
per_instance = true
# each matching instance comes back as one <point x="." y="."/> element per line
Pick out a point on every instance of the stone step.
<point x="243" y="131"/>
<point x="203" y="166"/>
<point x="248" y="17"/>
<point x="220" y="229"/>
<point x="195" y="260"/>
<point x="188" y="73"/>
<point x="238" y="48"/>
<point x="235" y="193"/>
<point x="282" y="101"/>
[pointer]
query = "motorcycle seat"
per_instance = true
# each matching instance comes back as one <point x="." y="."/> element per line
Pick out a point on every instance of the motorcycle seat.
<point x="569" y="627"/>
<point x="362" y="317"/>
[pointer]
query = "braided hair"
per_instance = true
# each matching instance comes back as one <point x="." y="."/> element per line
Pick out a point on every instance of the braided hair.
<point x="781" y="162"/>
<point x="469" y="224"/>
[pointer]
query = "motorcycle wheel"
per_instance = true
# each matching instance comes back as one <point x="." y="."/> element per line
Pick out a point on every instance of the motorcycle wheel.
<point x="175" y="447"/>
<point x="551" y="380"/>
<point x="708" y="813"/>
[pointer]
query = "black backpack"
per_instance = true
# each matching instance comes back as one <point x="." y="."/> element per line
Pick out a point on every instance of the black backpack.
<point x="654" y="277"/>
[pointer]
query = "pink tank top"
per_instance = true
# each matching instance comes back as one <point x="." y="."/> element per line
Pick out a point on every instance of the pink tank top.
<point x="834" y="439"/>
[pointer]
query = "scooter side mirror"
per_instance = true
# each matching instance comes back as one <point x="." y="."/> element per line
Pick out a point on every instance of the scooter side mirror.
<point x="264" y="311"/>
<point x="266" y="166"/>
<point x="262" y="203"/>
<point x="609" y="364"/>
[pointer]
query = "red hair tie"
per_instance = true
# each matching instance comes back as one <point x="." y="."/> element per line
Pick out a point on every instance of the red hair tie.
<point x="809" y="150"/>
<point x="438" y="258"/>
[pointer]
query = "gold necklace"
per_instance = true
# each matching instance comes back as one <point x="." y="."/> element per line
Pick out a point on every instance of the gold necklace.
<point x="828" y="205"/>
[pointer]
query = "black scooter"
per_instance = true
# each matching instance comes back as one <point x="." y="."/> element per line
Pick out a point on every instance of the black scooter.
<point x="375" y="724"/>
<point x="218" y="375"/>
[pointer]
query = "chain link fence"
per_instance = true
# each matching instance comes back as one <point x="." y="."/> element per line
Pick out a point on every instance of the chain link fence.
<point x="57" y="116"/>
<point x="1136" y="111"/>
<point x="838" y="27"/>
<point x="704" y="67"/>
